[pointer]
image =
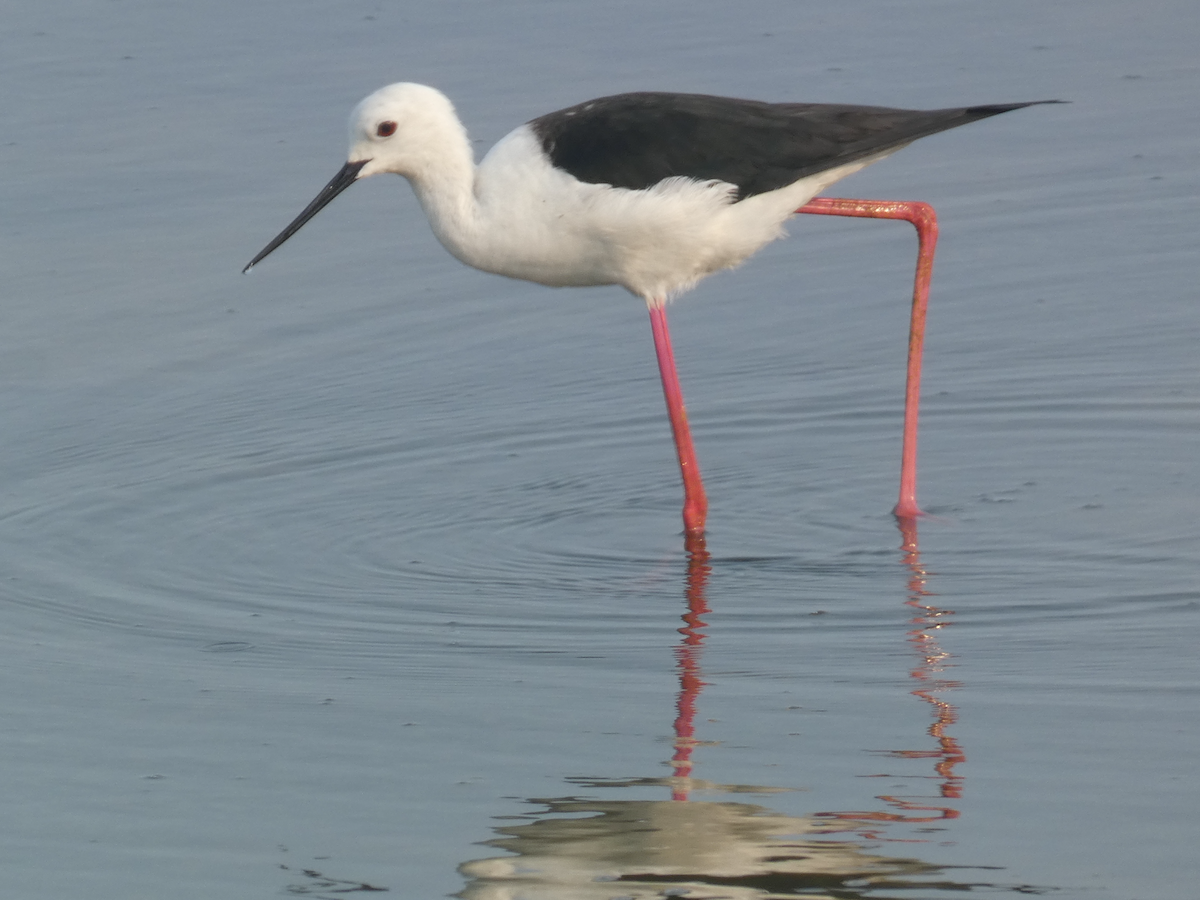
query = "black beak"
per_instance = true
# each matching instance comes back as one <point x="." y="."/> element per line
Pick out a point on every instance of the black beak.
<point x="342" y="180"/>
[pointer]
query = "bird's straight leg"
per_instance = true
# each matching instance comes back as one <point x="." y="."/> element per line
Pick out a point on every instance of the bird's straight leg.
<point x="695" y="503"/>
<point x="923" y="217"/>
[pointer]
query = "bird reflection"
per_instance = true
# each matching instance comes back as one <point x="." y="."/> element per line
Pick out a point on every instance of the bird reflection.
<point x="638" y="849"/>
<point x="931" y="683"/>
<point x="578" y="848"/>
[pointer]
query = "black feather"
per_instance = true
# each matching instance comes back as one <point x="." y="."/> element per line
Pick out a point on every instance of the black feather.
<point x="637" y="140"/>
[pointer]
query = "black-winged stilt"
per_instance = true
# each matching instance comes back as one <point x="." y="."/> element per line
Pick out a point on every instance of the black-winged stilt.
<point x="650" y="191"/>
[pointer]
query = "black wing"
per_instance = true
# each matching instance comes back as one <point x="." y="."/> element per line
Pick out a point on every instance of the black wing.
<point x="637" y="140"/>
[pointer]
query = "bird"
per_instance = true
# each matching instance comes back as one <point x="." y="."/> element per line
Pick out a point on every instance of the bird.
<point x="651" y="191"/>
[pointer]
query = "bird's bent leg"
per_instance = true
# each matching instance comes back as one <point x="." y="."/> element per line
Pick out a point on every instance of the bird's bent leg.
<point x="695" y="503"/>
<point x="923" y="217"/>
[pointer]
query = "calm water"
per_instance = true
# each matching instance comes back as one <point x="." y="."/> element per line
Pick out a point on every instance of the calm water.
<point x="365" y="571"/>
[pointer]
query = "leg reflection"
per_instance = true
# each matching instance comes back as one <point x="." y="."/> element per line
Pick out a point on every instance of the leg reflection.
<point x="931" y="684"/>
<point x="687" y="662"/>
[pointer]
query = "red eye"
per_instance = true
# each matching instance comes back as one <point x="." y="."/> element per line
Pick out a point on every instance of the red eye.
<point x="385" y="129"/>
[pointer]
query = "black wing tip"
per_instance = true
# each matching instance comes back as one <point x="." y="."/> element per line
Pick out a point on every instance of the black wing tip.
<point x="994" y="109"/>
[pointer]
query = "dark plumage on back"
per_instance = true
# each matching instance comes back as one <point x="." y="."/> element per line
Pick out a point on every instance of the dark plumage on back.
<point x="637" y="140"/>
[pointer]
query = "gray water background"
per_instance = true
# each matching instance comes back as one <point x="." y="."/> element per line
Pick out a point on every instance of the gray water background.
<point x="343" y="565"/>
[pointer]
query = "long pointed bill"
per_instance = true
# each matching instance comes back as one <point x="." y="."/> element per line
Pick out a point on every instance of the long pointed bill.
<point x="342" y="180"/>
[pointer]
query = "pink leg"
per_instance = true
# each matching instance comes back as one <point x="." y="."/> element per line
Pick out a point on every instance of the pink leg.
<point x="925" y="220"/>
<point x="695" y="503"/>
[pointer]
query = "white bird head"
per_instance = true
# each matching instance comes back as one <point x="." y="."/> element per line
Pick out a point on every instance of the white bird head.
<point x="404" y="128"/>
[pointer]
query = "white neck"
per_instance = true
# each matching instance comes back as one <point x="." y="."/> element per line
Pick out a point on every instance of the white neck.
<point x="444" y="185"/>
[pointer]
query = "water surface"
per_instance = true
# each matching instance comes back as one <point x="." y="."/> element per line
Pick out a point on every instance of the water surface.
<point x="364" y="571"/>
